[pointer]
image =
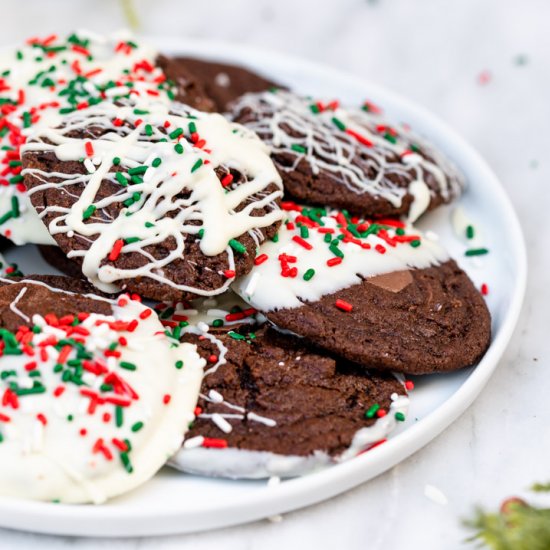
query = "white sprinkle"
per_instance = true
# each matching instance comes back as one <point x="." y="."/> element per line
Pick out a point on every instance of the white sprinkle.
<point x="222" y="423"/>
<point x="202" y="326"/>
<point x="89" y="165"/>
<point x="215" y="397"/>
<point x="431" y="235"/>
<point x="193" y="443"/>
<point x="223" y="80"/>
<point x="96" y="161"/>
<point x="261" y="419"/>
<point x="435" y="495"/>
<point x="281" y="363"/>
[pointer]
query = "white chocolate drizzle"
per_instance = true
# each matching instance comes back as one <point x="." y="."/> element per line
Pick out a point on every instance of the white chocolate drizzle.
<point x="358" y="149"/>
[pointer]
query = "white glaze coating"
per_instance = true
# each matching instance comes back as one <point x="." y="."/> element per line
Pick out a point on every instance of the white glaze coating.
<point x="329" y="140"/>
<point x="272" y="290"/>
<point x="160" y="212"/>
<point x="243" y="464"/>
<point x="46" y="456"/>
<point x="40" y="73"/>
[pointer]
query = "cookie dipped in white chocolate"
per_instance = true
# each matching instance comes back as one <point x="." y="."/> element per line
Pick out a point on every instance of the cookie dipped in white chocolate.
<point x="92" y="404"/>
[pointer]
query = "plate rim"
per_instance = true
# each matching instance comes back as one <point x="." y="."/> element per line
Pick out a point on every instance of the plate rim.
<point x="297" y="493"/>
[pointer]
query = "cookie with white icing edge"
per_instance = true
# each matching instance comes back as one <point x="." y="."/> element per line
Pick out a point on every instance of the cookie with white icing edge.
<point x="94" y="396"/>
<point x="348" y="158"/>
<point x="378" y="293"/>
<point x="270" y="406"/>
<point x="167" y="203"/>
<point x="57" y="74"/>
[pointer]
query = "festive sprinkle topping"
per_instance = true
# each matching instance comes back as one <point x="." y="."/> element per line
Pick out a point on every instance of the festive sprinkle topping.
<point x="321" y="251"/>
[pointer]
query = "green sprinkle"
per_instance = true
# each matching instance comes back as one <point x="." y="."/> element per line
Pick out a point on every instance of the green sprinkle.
<point x="119" y="416"/>
<point x="298" y="148"/>
<point x="116" y="161"/>
<point x="138" y="170"/>
<point x="132" y="240"/>
<point x="476" y="251"/>
<point x="390" y="138"/>
<point x="89" y="212"/>
<point x="148" y="129"/>
<point x="400" y="416"/>
<point x="125" y="459"/>
<point x="304" y="232"/>
<point x="200" y="234"/>
<point x="128" y="366"/>
<point x="217" y="323"/>
<point x="339" y="124"/>
<point x="372" y="411"/>
<point x="149" y="224"/>
<point x="327" y="238"/>
<point x="336" y="251"/>
<point x="470" y="233"/>
<point x="15" y="207"/>
<point x="179" y="364"/>
<point x="192" y="128"/>
<point x="308" y="275"/>
<point x="314" y="108"/>
<point x="137" y="426"/>
<point x="196" y="166"/>
<point x="179" y="149"/>
<point x="235" y="335"/>
<point x="416" y="243"/>
<point x="275" y="238"/>
<point x="176" y="133"/>
<point x="156" y="162"/>
<point x="237" y="246"/>
<point x="121" y="178"/>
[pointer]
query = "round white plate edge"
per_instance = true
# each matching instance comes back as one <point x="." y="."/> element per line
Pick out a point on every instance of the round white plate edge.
<point x="78" y="520"/>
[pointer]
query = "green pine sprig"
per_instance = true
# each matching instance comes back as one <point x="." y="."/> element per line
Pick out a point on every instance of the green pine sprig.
<point x="518" y="525"/>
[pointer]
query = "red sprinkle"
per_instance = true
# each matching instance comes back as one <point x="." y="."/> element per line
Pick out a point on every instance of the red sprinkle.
<point x="146" y="313"/>
<point x="409" y="385"/>
<point x="343" y="305"/>
<point x="214" y="443"/>
<point x="229" y="273"/>
<point x="334" y="261"/>
<point x="115" y="252"/>
<point x="89" y="148"/>
<point x="260" y="259"/>
<point x="302" y="242"/>
<point x="484" y="289"/>
<point x="166" y="399"/>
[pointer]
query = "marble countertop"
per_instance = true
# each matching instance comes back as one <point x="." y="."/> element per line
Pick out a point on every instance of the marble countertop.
<point x="482" y="66"/>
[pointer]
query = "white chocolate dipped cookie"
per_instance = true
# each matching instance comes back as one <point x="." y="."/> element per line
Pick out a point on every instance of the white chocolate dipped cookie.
<point x="377" y="292"/>
<point x="95" y="397"/>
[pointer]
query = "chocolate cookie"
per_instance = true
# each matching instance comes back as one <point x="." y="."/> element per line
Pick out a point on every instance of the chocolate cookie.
<point x="60" y="74"/>
<point x="378" y="293"/>
<point x="54" y="256"/>
<point x="223" y="82"/>
<point x="270" y="406"/>
<point x="349" y="159"/>
<point x="165" y="203"/>
<point x="95" y="396"/>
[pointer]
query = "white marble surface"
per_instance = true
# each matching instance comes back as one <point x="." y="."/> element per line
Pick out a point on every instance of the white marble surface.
<point x="433" y="52"/>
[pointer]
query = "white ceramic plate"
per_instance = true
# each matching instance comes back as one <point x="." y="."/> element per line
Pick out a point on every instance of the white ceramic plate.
<point x="176" y="503"/>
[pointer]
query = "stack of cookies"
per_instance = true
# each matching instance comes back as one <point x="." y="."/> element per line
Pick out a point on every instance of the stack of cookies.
<point x="244" y="294"/>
